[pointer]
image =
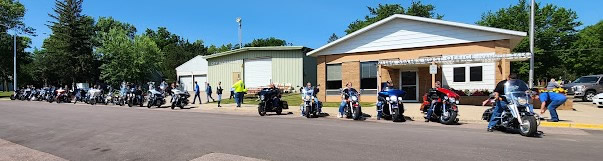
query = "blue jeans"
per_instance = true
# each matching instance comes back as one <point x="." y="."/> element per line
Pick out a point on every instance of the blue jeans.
<point x="239" y="98"/>
<point x="498" y="109"/>
<point x="197" y="96"/>
<point x="342" y="106"/>
<point x="430" y="110"/>
<point x="553" y="109"/>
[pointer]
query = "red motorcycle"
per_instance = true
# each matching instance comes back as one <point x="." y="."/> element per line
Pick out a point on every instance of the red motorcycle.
<point x="440" y="104"/>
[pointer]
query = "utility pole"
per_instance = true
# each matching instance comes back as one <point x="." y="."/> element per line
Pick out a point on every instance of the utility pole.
<point x="240" y="21"/>
<point x="531" y="81"/>
<point x="15" y="62"/>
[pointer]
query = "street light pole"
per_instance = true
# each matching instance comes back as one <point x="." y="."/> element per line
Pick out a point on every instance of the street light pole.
<point x="532" y="45"/>
<point x="15" y="62"/>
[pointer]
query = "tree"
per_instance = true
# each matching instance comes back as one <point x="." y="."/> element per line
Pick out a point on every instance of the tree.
<point x="104" y="24"/>
<point x="266" y="42"/>
<point x="333" y="38"/>
<point x="128" y="59"/>
<point x="11" y="17"/>
<point x="555" y="30"/>
<point x="587" y="51"/>
<point x="70" y="44"/>
<point x="383" y="11"/>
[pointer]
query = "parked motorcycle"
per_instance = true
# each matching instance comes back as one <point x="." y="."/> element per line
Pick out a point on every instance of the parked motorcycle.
<point x="156" y="97"/>
<point x="16" y="94"/>
<point x="443" y="103"/>
<point x="95" y="96"/>
<point x="135" y="97"/>
<point x="80" y="95"/>
<point x="270" y="102"/>
<point x="52" y="95"/>
<point x="392" y="107"/>
<point x="310" y="108"/>
<point x="518" y="114"/>
<point x="352" y="109"/>
<point x="179" y="98"/>
<point x="62" y="95"/>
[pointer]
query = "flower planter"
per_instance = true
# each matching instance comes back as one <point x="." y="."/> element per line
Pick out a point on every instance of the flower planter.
<point x="472" y="100"/>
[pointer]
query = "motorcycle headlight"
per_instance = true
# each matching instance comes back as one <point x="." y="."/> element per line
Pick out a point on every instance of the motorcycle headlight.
<point x="393" y="98"/>
<point x="400" y="99"/>
<point x="308" y="97"/>
<point x="522" y="101"/>
<point x="451" y="99"/>
<point x="387" y="98"/>
<point x="262" y="97"/>
<point x="445" y="97"/>
<point x="354" y="98"/>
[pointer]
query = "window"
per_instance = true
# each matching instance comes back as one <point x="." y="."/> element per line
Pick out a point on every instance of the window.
<point x="333" y="76"/>
<point x="459" y="74"/>
<point x="475" y="74"/>
<point x="368" y="75"/>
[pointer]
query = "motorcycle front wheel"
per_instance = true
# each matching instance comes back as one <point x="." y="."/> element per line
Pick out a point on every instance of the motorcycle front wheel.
<point x="396" y="115"/>
<point x="261" y="110"/>
<point x="357" y="113"/>
<point x="528" y="126"/>
<point x="450" y="119"/>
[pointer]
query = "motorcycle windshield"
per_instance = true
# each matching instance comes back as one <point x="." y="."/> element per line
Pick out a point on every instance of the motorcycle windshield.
<point x="515" y="92"/>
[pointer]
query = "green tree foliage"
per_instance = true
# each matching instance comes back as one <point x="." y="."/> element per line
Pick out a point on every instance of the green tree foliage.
<point x="104" y="24"/>
<point x="266" y="42"/>
<point x="332" y="38"/>
<point x="174" y="50"/>
<point x="383" y="11"/>
<point x="70" y="44"/>
<point x="11" y="17"/>
<point x="128" y="59"/>
<point x="586" y="56"/>
<point x="555" y="30"/>
<point x="214" y="49"/>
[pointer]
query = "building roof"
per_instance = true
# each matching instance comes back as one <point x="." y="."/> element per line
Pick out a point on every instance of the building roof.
<point x="269" y="48"/>
<point x="517" y="35"/>
<point x="196" y="65"/>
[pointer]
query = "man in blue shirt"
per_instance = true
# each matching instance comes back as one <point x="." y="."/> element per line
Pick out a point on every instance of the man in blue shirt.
<point x="197" y="93"/>
<point x="550" y="101"/>
<point x="208" y="92"/>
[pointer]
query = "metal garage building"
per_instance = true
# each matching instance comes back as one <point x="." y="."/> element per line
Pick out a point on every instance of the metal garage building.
<point x="191" y="71"/>
<point x="260" y="66"/>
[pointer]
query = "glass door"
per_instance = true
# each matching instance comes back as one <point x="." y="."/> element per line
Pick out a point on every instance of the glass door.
<point x="409" y="83"/>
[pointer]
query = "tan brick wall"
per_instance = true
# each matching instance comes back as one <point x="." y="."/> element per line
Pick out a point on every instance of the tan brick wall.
<point x="350" y="73"/>
<point x="502" y="47"/>
<point x="321" y="79"/>
<point x="389" y="74"/>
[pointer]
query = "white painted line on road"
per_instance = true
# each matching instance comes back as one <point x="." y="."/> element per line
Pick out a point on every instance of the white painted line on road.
<point x="12" y="151"/>
<point x="224" y="157"/>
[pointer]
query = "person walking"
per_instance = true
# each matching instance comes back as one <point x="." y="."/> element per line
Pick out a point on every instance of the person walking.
<point x="219" y="92"/>
<point x="197" y="94"/>
<point x="232" y="93"/>
<point x="239" y="89"/>
<point x="208" y="91"/>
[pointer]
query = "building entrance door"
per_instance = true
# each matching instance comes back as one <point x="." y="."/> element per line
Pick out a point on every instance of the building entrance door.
<point x="409" y="82"/>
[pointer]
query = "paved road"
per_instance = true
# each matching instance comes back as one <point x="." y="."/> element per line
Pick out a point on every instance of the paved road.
<point x="82" y="132"/>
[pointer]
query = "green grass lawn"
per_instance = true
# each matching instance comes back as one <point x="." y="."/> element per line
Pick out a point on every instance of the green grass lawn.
<point x="293" y="100"/>
<point x="5" y="94"/>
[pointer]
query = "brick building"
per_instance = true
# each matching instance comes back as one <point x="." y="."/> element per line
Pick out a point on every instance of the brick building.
<point x="401" y="49"/>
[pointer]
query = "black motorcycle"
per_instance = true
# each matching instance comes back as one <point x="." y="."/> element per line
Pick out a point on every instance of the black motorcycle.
<point x="16" y="94"/>
<point x="352" y="109"/>
<point x="80" y="95"/>
<point x="135" y="97"/>
<point x="270" y="101"/>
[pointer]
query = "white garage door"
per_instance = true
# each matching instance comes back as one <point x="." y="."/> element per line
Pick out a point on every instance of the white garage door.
<point x="258" y="72"/>
<point x="201" y="79"/>
<point x="187" y="82"/>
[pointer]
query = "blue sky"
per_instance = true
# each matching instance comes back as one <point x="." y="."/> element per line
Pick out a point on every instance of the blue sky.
<point x="303" y="22"/>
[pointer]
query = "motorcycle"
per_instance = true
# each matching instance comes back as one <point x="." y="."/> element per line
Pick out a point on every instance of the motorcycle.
<point x="62" y="96"/>
<point x="25" y="94"/>
<point x="135" y="97"/>
<point x="310" y="108"/>
<point x="179" y="98"/>
<point x="392" y="99"/>
<point x="156" y="97"/>
<point x="80" y="95"/>
<point x="95" y="96"/>
<point x="51" y="96"/>
<point x="352" y="109"/>
<point x="518" y="114"/>
<point x="16" y="94"/>
<point x="270" y="102"/>
<point x="443" y="104"/>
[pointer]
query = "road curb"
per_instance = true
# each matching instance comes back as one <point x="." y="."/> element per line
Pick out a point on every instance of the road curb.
<point x="572" y="125"/>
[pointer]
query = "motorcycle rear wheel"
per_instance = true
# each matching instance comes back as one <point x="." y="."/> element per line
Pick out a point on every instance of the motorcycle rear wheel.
<point x="528" y="127"/>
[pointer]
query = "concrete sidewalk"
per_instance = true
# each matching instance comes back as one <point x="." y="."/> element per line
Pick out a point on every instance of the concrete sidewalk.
<point x="586" y="116"/>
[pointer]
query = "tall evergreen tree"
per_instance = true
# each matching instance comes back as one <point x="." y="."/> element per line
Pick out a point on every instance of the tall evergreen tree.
<point x="69" y="47"/>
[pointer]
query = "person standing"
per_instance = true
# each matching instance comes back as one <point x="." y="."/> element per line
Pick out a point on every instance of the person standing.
<point x="239" y="89"/>
<point x="551" y="101"/>
<point x="219" y="92"/>
<point x="208" y="91"/>
<point x="197" y="92"/>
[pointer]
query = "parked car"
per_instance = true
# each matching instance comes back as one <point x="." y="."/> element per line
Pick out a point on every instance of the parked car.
<point x="586" y="87"/>
<point x="598" y="100"/>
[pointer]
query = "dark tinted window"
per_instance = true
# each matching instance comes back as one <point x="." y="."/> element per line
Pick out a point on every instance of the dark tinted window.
<point x="459" y="74"/>
<point x="333" y="76"/>
<point x="475" y="73"/>
<point x="368" y="75"/>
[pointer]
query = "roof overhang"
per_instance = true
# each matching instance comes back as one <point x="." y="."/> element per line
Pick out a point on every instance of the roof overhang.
<point x="516" y="36"/>
<point x="270" y="48"/>
<point x="458" y="59"/>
